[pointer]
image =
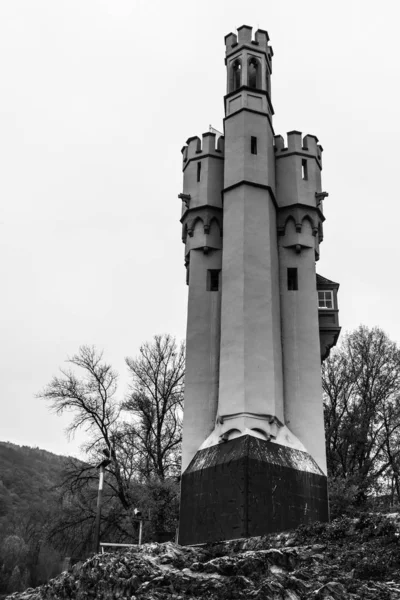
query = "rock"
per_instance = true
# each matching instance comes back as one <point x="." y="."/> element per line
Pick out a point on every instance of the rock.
<point x="364" y="564"/>
<point x="333" y="590"/>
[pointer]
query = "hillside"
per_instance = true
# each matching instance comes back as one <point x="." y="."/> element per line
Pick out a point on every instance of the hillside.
<point x="350" y="558"/>
<point x="27" y="475"/>
<point x="28" y="503"/>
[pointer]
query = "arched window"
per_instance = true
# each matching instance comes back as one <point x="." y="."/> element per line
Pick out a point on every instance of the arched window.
<point x="235" y="76"/>
<point x="254" y="73"/>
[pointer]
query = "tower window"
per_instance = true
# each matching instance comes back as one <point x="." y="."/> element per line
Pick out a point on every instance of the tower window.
<point x="213" y="280"/>
<point x="292" y="282"/>
<point x="253" y="145"/>
<point x="254" y="73"/>
<point x="198" y="171"/>
<point x="235" y="76"/>
<point x="304" y="169"/>
<point x="325" y="299"/>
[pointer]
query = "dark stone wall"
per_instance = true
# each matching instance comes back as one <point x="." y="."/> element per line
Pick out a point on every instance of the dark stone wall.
<point x="249" y="487"/>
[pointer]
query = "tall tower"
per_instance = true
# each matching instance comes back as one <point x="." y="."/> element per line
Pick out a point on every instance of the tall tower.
<point x="253" y="433"/>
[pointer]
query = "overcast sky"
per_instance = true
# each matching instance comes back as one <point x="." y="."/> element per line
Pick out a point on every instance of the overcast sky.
<point x="97" y="97"/>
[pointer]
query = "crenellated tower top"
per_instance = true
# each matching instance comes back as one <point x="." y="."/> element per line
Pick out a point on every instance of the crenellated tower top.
<point x="249" y="61"/>
<point x="197" y="148"/>
<point x="249" y="68"/>
<point x="244" y="37"/>
<point x="296" y="144"/>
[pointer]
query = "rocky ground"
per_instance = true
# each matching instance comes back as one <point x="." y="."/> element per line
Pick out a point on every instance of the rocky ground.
<point x="349" y="558"/>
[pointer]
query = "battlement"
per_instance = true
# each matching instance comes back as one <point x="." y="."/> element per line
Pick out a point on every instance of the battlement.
<point x="244" y="37"/>
<point x="196" y="147"/>
<point x="295" y="143"/>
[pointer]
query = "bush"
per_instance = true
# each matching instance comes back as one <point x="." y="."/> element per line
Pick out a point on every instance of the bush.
<point x="373" y="567"/>
<point x="339" y="528"/>
<point x="343" y="496"/>
<point x="375" y="525"/>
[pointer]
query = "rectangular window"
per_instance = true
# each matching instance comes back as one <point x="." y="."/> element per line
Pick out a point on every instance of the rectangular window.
<point x="325" y="299"/>
<point x="198" y="171"/>
<point x="292" y="283"/>
<point x="253" y="145"/>
<point x="213" y="280"/>
<point x="304" y="169"/>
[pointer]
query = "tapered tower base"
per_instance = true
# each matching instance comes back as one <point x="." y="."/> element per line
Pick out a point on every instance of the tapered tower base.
<point x="249" y="487"/>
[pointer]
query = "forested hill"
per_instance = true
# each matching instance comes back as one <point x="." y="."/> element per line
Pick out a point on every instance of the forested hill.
<point x="27" y="477"/>
<point x="29" y="503"/>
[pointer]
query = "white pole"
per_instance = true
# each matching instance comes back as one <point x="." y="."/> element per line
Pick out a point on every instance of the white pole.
<point x="140" y="531"/>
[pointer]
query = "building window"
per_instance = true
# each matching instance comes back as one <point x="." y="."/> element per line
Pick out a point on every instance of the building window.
<point x="253" y="145"/>
<point x="292" y="282"/>
<point x="325" y="299"/>
<point x="304" y="169"/>
<point x="213" y="280"/>
<point x="253" y="77"/>
<point x="236" y="75"/>
<point x="198" y="171"/>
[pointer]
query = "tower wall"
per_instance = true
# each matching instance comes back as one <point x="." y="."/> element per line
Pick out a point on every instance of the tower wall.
<point x="202" y="352"/>
<point x="251" y="389"/>
<point x="240" y="163"/>
<point x="251" y="367"/>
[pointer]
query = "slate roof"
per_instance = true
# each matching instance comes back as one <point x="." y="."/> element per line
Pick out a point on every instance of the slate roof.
<point x="324" y="281"/>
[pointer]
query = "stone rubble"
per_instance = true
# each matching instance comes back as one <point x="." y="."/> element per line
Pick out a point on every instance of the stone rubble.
<point x="348" y="560"/>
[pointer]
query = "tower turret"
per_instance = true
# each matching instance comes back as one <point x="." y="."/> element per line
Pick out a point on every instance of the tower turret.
<point x="248" y="109"/>
<point x="251" y="392"/>
<point x="298" y="192"/>
<point x="203" y="164"/>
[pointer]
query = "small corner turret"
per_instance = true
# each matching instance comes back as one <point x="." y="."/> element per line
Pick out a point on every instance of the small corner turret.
<point x="203" y="164"/>
<point x="299" y="195"/>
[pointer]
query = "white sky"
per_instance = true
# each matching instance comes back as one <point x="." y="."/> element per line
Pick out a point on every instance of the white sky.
<point x="97" y="97"/>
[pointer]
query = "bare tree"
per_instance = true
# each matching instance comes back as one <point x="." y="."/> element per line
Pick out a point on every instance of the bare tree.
<point x="156" y="404"/>
<point x="361" y="383"/>
<point x="88" y="391"/>
<point x="144" y="445"/>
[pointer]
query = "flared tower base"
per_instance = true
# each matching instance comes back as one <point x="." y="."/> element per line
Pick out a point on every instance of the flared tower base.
<point x="249" y="487"/>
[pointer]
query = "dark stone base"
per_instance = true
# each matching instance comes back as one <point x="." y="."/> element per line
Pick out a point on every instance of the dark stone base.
<point x="248" y="487"/>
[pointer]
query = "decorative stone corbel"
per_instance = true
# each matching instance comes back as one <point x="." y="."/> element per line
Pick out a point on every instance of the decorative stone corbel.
<point x="185" y="198"/>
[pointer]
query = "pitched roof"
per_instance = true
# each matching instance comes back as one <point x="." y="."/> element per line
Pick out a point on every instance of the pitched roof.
<point x="324" y="281"/>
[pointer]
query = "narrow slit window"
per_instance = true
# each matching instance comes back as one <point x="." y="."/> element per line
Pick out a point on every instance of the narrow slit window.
<point x="253" y="145"/>
<point x="304" y="169"/>
<point x="213" y="280"/>
<point x="198" y="171"/>
<point x="292" y="281"/>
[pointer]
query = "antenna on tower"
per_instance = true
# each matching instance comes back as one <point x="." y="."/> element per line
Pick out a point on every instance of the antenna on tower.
<point x="212" y="129"/>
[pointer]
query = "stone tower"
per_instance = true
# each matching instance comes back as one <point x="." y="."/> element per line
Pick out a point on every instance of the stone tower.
<point x="253" y="433"/>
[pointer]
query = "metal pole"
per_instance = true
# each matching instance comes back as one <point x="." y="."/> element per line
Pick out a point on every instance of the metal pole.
<point x="98" y="513"/>
<point x="140" y="531"/>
